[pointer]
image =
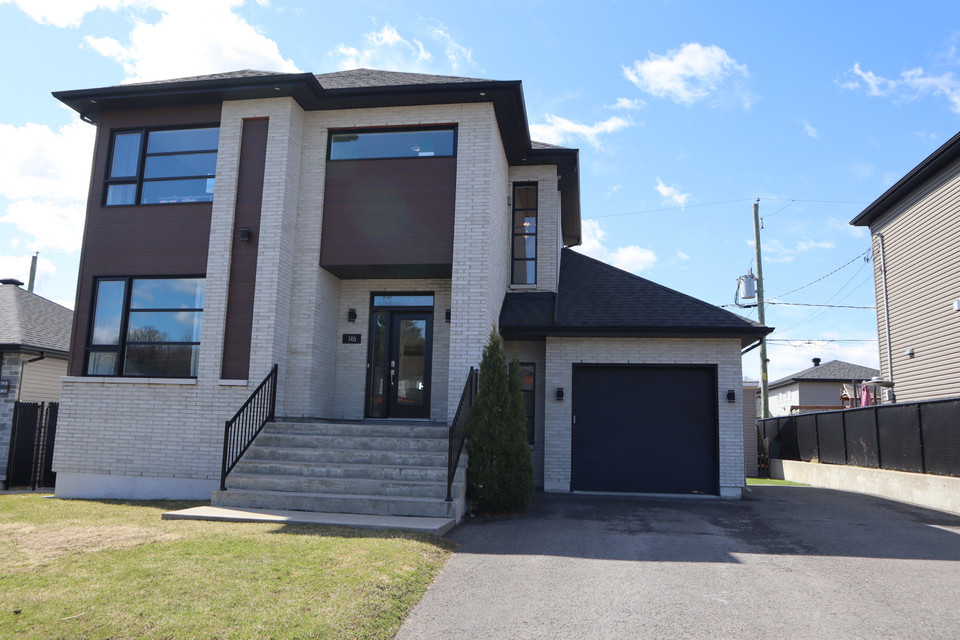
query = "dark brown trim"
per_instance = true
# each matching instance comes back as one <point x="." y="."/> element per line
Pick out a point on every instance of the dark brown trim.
<point x="243" y="257"/>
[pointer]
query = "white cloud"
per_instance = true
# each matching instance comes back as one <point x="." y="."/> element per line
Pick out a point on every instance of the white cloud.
<point x="684" y="75"/>
<point x="45" y="175"/>
<point x="681" y="256"/>
<point x="672" y="194"/>
<point x="910" y="85"/>
<point x="928" y="136"/>
<point x="386" y="48"/>
<point x="809" y="129"/>
<point x="775" y="251"/>
<point x="808" y="245"/>
<point x="612" y="190"/>
<point x="233" y="43"/>
<point x="627" y="104"/>
<point x="66" y="13"/>
<point x="629" y="258"/>
<point x="835" y="224"/>
<point x="19" y="267"/>
<point x="557" y="130"/>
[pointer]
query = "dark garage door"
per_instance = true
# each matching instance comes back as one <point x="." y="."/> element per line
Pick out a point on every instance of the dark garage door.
<point x="645" y="429"/>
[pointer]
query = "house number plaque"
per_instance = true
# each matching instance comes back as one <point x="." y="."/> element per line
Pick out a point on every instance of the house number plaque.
<point x="351" y="338"/>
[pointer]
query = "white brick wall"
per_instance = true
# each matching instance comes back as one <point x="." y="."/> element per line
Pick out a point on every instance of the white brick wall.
<point x="548" y="222"/>
<point x="562" y="353"/>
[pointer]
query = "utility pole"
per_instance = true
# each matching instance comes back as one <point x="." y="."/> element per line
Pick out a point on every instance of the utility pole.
<point x="764" y="392"/>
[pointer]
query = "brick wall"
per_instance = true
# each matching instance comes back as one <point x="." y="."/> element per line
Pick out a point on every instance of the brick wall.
<point x="562" y="353"/>
<point x="10" y="364"/>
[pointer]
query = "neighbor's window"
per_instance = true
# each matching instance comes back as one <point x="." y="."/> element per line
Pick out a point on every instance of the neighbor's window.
<point x="162" y="166"/>
<point x="524" y="234"/>
<point x="146" y="327"/>
<point x="395" y="143"/>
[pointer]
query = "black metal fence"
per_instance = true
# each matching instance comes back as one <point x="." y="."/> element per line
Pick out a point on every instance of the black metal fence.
<point x="922" y="437"/>
<point x="30" y="457"/>
<point x="458" y="428"/>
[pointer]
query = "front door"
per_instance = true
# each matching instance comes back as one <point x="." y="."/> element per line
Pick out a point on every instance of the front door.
<point x="398" y="384"/>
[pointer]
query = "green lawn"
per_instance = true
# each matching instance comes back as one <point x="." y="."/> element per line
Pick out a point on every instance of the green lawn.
<point x="85" y="569"/>
<point x="772" y="481"/>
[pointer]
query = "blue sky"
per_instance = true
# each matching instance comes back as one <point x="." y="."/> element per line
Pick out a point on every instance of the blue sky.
<point x="684" y="112"/>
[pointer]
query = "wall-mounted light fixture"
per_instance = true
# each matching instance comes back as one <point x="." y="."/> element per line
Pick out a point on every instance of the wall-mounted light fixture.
<point x="559" y="393"/>
<point x="446" y="316"/>
<point x="352" y="315"/>
<point x="731" y="395"/>
<point x="245" y="234"/>
<point x="910" y="352"/>
<point x="4" y="387"/>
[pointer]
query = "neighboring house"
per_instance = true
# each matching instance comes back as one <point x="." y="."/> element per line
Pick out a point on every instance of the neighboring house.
<point x="34" y="340"/>
<point x="915" y="230"/>
<point x="365" y="230"/>
<point x="820" y="386"/>
<point x="750" y="461"/>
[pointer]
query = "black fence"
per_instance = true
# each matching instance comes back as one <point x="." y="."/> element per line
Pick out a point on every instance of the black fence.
<point x="922" y="437"/>
<point x="30" y="458"/>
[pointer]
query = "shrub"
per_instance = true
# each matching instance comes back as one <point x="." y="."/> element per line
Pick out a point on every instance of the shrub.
<point x="500" y="472"/>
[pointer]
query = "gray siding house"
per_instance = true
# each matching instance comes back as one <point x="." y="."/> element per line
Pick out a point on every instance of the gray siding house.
<point x="915" y="234"/>
<point x="817" y="386"/>
<point x="364" y="231"/>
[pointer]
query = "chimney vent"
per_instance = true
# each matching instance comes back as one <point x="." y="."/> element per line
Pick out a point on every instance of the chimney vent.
<point x="816" y="362"/>
<point x="12" y="281"/>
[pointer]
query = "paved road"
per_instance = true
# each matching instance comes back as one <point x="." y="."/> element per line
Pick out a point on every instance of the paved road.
<point x="787" y="562"/>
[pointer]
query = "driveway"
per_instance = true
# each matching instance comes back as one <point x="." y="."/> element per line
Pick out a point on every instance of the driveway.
<point x="785" y="562"/>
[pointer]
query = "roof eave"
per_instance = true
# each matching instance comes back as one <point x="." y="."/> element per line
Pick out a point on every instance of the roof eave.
<point x="948" y="153"/>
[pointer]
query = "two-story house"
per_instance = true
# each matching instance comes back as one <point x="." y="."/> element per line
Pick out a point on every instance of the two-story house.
<point x="365" y="231"/>
<point x="915" y="235"/>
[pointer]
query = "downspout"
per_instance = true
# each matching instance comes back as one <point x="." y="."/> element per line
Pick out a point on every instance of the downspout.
<point x="886" y="314"/>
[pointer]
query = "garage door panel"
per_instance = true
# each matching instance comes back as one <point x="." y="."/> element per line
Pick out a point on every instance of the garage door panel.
<point x="645" y="429"/>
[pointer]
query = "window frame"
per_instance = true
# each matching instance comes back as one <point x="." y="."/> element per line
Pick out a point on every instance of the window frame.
<point x="400" y="129"/>
<point x="138" y="179"/>
<point x="122" y="341"/>
<point x="514" y="235"/>
<point x="531" y="424"/>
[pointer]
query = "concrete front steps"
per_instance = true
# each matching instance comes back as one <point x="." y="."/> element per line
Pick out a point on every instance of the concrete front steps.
<point x="366" y="468"/>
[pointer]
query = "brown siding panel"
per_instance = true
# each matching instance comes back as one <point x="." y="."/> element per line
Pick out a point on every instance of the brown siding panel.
<point x="396" y="211"/>
<point x="243" y="258"/>
<point x="145" y="240"/>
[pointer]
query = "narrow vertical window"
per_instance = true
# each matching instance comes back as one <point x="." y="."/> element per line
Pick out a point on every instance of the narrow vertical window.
<point x="528" y="377"/>
<point x="524" y="251"/>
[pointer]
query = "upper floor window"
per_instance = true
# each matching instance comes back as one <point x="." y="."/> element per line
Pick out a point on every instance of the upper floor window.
<point x="392" y="143"/>
<point x="162" y="166"/>
<point x="145" y="327"/>
<point x="524" y="269"/>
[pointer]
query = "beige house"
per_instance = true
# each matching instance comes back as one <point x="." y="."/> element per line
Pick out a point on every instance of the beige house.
<point x="915" y="231"/>
<point x="364" y="231"/>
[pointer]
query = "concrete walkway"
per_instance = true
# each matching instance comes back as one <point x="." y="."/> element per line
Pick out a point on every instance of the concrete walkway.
<point x="436" y="526"/>
<point x="786" y="562"/>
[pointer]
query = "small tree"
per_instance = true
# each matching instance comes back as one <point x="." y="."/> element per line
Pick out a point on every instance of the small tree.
<point x="500" y="473"/>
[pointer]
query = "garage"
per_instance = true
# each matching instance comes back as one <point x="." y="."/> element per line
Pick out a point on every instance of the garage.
<point x="645" y="429"/>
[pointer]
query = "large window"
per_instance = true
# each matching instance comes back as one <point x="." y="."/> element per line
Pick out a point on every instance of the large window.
<point x="145" y="327"/>
<point x="524" y="234"/>
<point x="162" y="166"/>
<point x="393" y="143"/>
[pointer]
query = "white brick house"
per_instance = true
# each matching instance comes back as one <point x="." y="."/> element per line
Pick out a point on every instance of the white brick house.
<point x="364" y="230"/>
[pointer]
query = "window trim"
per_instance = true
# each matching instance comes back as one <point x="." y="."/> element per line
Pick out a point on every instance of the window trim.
<point x="121" y="347"/>
<point x="397" y="129"/>
<point x="138" y="178"/>
<point x="532" y="433"/>
<point x="514" y="235"/>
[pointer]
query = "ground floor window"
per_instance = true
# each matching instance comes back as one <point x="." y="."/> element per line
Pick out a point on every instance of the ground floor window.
<point x="528" y="377"/>
<point x="148" y="327"/>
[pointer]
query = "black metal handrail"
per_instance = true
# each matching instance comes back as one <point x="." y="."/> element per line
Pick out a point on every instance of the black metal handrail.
<point x="458" y="428"/>
<point x="240" y="430"/>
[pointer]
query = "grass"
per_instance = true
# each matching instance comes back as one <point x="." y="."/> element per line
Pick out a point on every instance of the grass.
<point x="772" y="481"/>
<point x="92" y="569"/>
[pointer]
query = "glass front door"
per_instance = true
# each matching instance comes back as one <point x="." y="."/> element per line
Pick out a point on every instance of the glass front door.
<point x="399" y="369"/>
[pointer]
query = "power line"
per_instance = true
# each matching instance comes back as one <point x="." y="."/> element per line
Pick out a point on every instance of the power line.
<point x="822" y="340"/>
<point x="827" y="306"/>
<point x="690" y="206"/>
<point x="824" y="277"/>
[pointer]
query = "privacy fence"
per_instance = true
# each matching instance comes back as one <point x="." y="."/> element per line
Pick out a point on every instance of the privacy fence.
<point x="30" y="458"/>
<point x="922" y="437"/>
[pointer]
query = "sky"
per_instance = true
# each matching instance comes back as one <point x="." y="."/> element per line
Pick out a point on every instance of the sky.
<point x="685" y="114"/>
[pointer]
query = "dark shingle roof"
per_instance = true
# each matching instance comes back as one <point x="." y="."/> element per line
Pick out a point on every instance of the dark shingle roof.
<point x="226" y="75"/>
<point x="29" y="321"/>
<point x="833" y="371"/>
<point x="355" y="78"/>
<point x="595" y="298"/>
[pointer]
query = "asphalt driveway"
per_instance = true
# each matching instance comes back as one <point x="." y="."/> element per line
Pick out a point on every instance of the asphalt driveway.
<point x="786" y="562"/>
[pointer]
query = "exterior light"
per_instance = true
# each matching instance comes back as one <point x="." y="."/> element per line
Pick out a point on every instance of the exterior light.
<point x="352" y="315"/>
<point x="731" y="395"/>
<point x="245" y="234"/>
<point x="559" y="393"/>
